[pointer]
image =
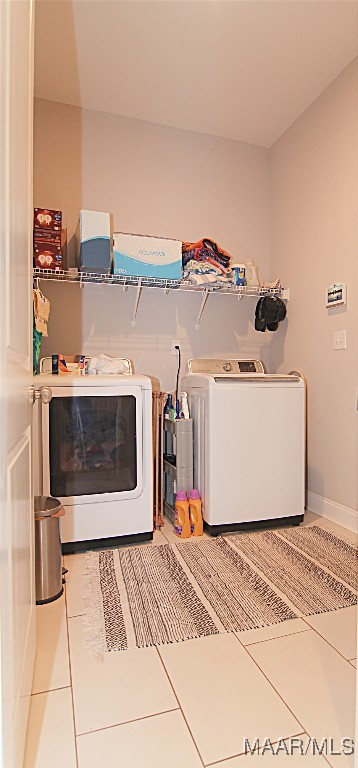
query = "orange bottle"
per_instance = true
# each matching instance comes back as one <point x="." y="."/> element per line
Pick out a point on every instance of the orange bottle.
<point x="181" y="519"/>
<point x="195" y="514"/>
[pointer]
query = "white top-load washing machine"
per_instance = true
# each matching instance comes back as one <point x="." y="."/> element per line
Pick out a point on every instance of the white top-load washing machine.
<point x="249" y="444"/>
<point x="96" y="456"/>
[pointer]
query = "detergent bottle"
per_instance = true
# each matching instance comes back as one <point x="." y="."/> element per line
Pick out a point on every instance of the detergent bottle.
<point x="195" y="514"/>
<point x="184" y="411"/>
<point x="251" y="275"/>
<point x="168" y="406"/>
<point x="181" y="519"/>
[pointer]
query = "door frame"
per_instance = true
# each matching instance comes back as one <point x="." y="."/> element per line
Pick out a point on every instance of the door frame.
<point x="17" y="620"/>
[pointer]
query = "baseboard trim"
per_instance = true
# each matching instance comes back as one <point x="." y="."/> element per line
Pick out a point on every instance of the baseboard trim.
<point x="339" y="514"/>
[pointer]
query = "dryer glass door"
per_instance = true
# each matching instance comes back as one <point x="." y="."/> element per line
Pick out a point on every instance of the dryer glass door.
<point x="95" y="444"/>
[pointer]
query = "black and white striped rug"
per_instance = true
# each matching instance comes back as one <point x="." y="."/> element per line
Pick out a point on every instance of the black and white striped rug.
<point x="309" y="588"/>
<point x="138" y="597"/>
<point x="239" y="596"/>
<point x="153" y="595"/>
<point x="330" y="551"/>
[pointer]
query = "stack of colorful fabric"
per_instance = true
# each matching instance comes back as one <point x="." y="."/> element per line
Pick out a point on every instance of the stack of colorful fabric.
<point x="206" y="262"/>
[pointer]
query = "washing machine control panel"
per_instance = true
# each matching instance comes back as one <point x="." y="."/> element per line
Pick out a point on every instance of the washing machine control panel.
<point x="225" y="367"/>
<point x="249" y="366"/>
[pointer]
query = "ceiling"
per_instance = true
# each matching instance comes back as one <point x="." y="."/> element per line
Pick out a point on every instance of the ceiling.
<point x="239" y="69"/>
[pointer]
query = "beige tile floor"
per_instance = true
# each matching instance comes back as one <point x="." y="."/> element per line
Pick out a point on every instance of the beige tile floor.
<point x="191" y="704"/>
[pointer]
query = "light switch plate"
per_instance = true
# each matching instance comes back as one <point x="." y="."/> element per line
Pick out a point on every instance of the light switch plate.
<point x="340" y="340"/>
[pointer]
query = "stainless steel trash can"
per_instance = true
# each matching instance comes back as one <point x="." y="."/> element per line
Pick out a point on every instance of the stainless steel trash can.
<point x="48" y="562"/>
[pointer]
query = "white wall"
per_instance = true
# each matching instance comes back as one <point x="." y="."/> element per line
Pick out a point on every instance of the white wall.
<point x="161" y="181"/>
<point x="314" y="185"/>
<point x="301" y="197"/>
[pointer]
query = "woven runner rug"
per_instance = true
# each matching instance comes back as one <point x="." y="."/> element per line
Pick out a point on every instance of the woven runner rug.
<point x="339" y="557"/>
<point x="239" y="596"/>
<point x="153" y="595"/>
<point x="310" y="588"/>
<point x="139" y="597"/>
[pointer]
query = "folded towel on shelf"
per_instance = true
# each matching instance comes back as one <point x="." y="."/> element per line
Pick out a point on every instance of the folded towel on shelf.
<point x="206" y="273"/>
<point x="206" y="262"/>
<point x="206" y="250"/>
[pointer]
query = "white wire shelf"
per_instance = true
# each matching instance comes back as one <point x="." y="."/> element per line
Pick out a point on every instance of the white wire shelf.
<point x="126" y="281"/>
<point x="74" y="276"/>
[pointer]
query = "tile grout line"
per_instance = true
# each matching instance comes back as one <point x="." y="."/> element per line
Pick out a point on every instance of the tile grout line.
<point x="50" y="690"/>
<point x="127" y="722"/>
<point x="168" y="540"/>
<point x="78" y="558"/>
<point x="180" y="707"/>
<point x="305" y="730"/>
<point x="70" y="668"/>
<point x="323" y="638"/>
<point x="267" y="639"/>
<point x="239" y="754"/>
<point x="272" y="685"/>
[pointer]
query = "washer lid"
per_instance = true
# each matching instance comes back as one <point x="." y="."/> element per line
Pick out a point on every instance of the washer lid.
<point x="203" y="373"/>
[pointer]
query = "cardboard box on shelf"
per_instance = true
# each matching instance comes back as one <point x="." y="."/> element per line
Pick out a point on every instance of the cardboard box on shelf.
<point x="50" y="248"/>
<point x="94" y="242"/>
<point x="147" y="256"/>
<point x="48" y="256"/>
<point x="64" y="246"/>
<point x="45" y="218"/>
<point x="46" y="236"/>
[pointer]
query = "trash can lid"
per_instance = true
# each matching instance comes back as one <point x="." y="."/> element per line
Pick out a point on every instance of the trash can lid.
<point x="45" y="506"/>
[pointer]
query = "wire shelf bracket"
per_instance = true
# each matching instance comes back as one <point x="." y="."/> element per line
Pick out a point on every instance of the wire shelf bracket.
<point x="139" y="291"/>
<point x="201" y="310"/>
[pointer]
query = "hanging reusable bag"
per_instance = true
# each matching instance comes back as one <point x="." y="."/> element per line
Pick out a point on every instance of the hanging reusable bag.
<point x="41" y="312"/>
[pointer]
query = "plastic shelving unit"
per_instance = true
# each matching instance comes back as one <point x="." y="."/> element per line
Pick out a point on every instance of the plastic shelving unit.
<point x="177" y="461"/>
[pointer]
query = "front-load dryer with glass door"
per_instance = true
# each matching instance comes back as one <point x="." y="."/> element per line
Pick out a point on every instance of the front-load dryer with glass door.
<point x="97" y="457"/>
<point x="249" y="444"/>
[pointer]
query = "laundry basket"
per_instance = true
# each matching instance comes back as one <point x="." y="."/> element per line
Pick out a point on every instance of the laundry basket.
<point x="48" y="562"/>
